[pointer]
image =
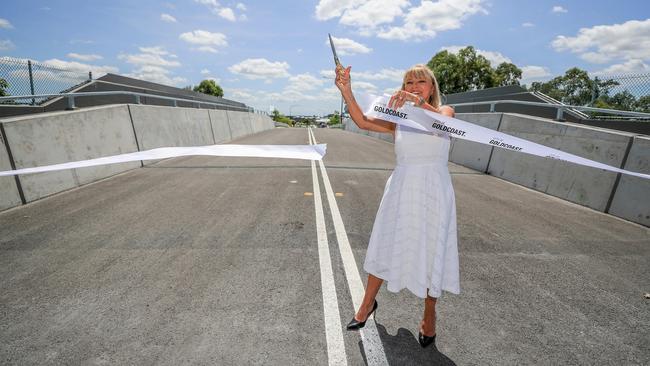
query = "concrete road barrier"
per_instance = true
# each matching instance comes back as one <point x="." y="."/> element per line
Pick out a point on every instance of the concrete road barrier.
<point x="595" y="188"/>
<point x="472" y="154"/>
<point x="158" y="126"/>
<point x="59" y="137"/>
<point x="9" y="196"/>
<point x="631" y="200"/>
<point x="583" y="185"/>
<point x="240" y="123"/>
<point x="220" y="126"/>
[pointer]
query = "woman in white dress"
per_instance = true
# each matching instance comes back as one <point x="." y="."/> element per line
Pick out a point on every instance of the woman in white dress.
<point x="413" y="243"/>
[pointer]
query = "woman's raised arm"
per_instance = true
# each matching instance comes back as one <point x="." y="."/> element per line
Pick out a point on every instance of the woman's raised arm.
<point x="366" y="123"/>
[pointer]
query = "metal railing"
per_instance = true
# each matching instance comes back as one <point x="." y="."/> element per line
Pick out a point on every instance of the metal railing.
<point x="70" y="97"/>
<point x="561" y="108"/>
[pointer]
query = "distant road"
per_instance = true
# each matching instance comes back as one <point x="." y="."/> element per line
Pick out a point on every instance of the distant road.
<point x="203" y="260"/>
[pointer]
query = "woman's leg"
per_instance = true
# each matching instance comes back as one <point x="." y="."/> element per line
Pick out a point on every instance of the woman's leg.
<point x="374" y="283"/>
<point x="428" y="324"/>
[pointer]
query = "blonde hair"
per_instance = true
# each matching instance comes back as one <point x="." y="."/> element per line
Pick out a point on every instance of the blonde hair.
<point x="423" y="71"/>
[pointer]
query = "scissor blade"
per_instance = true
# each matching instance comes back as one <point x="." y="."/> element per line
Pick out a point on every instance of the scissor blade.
<point x="336" y="58"/>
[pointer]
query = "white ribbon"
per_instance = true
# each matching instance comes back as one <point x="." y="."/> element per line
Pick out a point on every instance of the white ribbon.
<point x="424" y="120"/>
<point x="307" y="152"/>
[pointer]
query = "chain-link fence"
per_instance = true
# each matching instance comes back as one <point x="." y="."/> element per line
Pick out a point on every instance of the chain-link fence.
<point x="25" y="77"/>
<point x="629" y="92"/>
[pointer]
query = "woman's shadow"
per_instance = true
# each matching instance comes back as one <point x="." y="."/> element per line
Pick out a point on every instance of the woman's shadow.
<point x="404" y="349"/>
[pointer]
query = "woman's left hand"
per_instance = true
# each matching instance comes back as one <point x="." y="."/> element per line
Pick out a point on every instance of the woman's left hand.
<point x="400" y="98"/>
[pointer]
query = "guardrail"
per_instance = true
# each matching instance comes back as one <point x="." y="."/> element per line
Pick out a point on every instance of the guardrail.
<point x="560" y="108"/>
<point x="71" y="99"/>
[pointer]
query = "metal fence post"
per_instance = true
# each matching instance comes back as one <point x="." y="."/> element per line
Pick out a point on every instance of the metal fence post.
<point x="560" y="114"/>
<point x="71" y="102"/>
<point x="137" y="99"/>
<point x="31" y="79"/>
<point x="492" y="107"/>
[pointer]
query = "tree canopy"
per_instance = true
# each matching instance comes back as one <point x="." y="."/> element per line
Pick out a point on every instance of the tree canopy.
<point x="575" y="87"/>
<point x="467" y="70"/>
<point x="3" y="86"/>
<point x="279" y="117"/>
<point x="209" y="87"/>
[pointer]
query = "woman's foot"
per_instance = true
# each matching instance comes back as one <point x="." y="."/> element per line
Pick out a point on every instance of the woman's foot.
<point x="427" y="334"/>
<point x="428" y="328"/>
<point x="359" y="321"/>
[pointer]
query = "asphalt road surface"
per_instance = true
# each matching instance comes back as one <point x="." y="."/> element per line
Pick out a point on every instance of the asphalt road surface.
<point x="241" y="261"/>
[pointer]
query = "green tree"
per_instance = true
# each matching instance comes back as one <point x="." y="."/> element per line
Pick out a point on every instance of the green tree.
<point x="624" y="101"/>
<point x="575" y="87"/>
<point x="507" y="74"/>
<point x="643" y="104"/>
<point x="468" y="71"/>
<point x="335" y="118"/>
<point x="279" y="117"/>
<point x="3" y="87"/>
<point x="209" y="87"/>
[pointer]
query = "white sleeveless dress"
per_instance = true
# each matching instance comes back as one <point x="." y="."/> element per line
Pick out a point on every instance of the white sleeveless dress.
<point x="413" y="243"/>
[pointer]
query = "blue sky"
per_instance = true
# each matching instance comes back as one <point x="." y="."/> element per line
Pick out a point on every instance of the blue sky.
<point x="274" y="53"/>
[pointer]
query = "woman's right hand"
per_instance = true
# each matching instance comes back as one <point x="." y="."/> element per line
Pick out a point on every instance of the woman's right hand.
<point x="343" y="79"/>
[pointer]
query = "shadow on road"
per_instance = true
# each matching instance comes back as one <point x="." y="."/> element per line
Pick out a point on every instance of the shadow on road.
<point x="404" y="349"/>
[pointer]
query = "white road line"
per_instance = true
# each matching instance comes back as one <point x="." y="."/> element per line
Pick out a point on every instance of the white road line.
<point x="333" y="329"/>
<point x="372" y="345"/>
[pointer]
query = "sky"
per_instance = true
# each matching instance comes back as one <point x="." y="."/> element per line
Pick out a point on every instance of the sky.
<point x="274" y="54"/>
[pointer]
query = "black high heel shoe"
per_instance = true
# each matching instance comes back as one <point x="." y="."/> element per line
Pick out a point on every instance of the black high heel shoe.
<point x="356" y="325"/>
<point x="425" y="341"/>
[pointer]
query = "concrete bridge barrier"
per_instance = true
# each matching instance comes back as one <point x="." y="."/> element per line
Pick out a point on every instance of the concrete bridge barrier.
<point x="617" y="194"/>
<point x="59" y="137"/>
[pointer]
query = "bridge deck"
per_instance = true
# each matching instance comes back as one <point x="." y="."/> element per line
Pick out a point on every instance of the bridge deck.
<point x="215" y="261"/>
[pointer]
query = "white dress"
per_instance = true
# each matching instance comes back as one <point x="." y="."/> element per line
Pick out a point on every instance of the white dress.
<point x="413" y="243"/>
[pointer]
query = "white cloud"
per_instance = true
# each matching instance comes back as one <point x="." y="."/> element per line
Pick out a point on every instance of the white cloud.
<point x="346" y="46"/>
<point x="168" y="18"/>
<point x="426" y="20"/>
<point x="630" y="66"/>
<point x="364" y="85"/>
<point x="4" y="23"/>
<point x="605" y="43"/>
<point x="6" y="45"/>
<point x="83" y="57"/>
<point x="206" y="49"/>
<point x="494" y="57"/>
<point x="224" y="12"/>
<point x="304" y="82"/>
<point x="157" y="74"/>
<point x="205" y="72"/>
<point x="399" y="19"/>
<point x="328" y="9"/>
<point x="534" y="73"/>
<point x="227" y="14"/>
<point x="153" y="64"/>
<point x="260" y="68"/>
<point x="149" y="56"/>
<point x="373" y="13"/>
<point x="527" y="25"/>
<point x="396" y="75"/>
<point x="559" y="9"/>
<point x="208" y="41"/>
<point x="80" y="67"/>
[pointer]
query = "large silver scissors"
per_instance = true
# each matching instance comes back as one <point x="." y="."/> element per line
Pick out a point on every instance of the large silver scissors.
<point x="336" y="58"/>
